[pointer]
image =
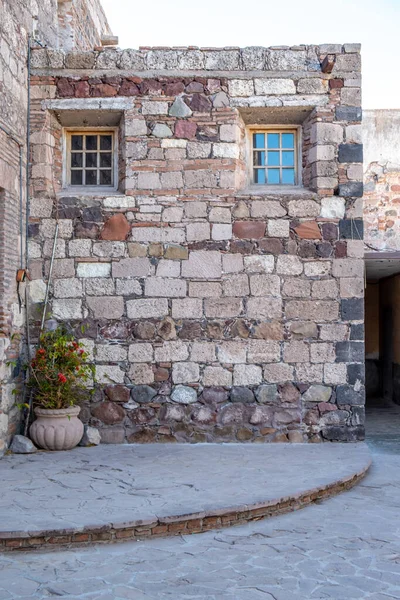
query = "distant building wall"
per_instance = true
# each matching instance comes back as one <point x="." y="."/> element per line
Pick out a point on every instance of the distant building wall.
<point x="381" y="136"/>
<point x="82" y="23"/>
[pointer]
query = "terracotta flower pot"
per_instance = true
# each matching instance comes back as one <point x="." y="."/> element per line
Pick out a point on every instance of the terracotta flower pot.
<point x="57" y="429"/>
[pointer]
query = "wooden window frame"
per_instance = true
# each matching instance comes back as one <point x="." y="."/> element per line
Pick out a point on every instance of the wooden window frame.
<point x="68" y="132"/>
<point x="296" y="130"/>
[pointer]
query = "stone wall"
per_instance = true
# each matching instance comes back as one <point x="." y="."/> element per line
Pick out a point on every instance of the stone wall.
<point x="18" y="20"/>
<point x="214" y="310"/>
<point x="81" y="24"/>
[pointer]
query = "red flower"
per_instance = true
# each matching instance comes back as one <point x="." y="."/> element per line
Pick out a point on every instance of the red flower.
<point x="62" y="378"/>
<point x="42" y="351"/>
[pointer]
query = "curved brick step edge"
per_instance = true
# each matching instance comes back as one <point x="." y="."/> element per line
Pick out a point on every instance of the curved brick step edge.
<point x="175" y="525"/>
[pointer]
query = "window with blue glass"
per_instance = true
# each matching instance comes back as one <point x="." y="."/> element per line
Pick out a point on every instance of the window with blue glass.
<point x="274" y="157"/>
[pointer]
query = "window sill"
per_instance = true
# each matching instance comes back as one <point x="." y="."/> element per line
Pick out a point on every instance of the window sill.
<point x="99" y="192"/>
<point x="276" y="190"/>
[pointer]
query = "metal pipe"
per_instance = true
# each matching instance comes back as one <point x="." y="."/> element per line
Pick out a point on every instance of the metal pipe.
<point x="21" y="200"/>
<point x="49" y="278"/>
<point x="28" y="142"/>
<point x="11" y="135"/>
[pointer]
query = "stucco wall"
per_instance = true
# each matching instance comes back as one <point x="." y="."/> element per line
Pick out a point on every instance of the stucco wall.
<point x="381" y="136"/>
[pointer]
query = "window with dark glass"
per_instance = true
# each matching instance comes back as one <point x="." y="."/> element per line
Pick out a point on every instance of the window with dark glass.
<point x="91" y="159"/>
<point x="274" y="157"/>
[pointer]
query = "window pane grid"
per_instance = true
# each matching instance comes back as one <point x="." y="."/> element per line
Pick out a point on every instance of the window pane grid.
<point x="91" y="159"/>
<point x="274" y="157"/>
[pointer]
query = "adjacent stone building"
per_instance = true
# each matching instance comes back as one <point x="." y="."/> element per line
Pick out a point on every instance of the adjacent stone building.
<point x="381" y="131"/>
<point x="210" y="241"/>
<point x="23" y="23"/>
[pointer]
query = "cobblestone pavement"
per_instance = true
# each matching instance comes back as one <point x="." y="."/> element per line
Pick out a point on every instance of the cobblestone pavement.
<point x="347" y="547"/>
<point x="122" y="483"/>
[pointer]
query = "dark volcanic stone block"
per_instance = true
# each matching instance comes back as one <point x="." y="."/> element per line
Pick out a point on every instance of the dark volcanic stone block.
<point x="352" y="309"/>
<point x="350" y="153"/>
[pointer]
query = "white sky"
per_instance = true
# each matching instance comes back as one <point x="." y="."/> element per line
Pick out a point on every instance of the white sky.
<point x="271" y="23"/>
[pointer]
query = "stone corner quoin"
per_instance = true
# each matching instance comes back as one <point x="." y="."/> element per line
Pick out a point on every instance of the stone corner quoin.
<point x="214" y="310"/>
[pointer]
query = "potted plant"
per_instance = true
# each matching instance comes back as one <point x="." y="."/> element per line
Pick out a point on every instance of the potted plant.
<point x="58" y="375"/>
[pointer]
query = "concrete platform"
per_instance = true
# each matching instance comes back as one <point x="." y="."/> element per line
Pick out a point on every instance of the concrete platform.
<point x="110" y="493"/>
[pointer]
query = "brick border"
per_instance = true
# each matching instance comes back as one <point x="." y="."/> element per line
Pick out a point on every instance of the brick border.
<point x="174" y="525"/>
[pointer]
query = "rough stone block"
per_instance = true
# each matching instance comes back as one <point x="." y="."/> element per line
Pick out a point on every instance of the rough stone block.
<point x="67" y="288"/>
<point x="203" y="352"/>
<point x="110" y="353"/>
<point x="205" y="289"/>
<point x="184" y="395"/>
<point x="356" y="374"/>
<point x="322" y="352"/>
<point x="187" y="308"/>
<point x="93" y="270"/>
<point x="168" y="268"/>
<point x="152" y="107"/>
<point x="324" y="289"/>
<point x="106" y="307"/>
<point x="171" y="351"/>
<point x="269" y="87"/>
<point x="264" y="308"/>
<point x="161" y="286"/>
<point x="232" y="352"/>
<point x="185" y="372"/>
<point x="335" y="373"/>
<point x="147" y="308"/>
<point x="348" y="113"/>
<point x="347" y="395"/>
<point x="196" y="232"/>
<point x="317" y="393"/>
<point x="278" y="372"/>
<point x="326" y="133"/>
<point x="303" y="208"/>
<point x="249" y="229"/>
<point x="350" y="153"/>
<point x="265" y="285"/>
<point x="223" y="307"/>
<point x="262" y="351"/>
<point x="296" y="288"/>
<point x="289" y="265"/>
<point x="236" y="285"/>
<point x="217" y="376"/>
<point x="225" y="150"/>
<point x="347" y="267"/>
<point x="267" y="209"/>
<point x="352" y="287"/>
<point x="221" y="232"/>
<point x="278" y="228"/>
<point x="333" y="208"/>
<point x="67" y="309"/>
<point x="247" y="375"/>
<point x="232" y="263"/>
<point x="352" y="309"/>
<point x="80" y="248"/>
<point x="313" y="310"/>
<point x="176" y="253"/>
<point x="126" y="287"/>
<point x="141" y="374"/>
<point x="202" y="265"/>
<point x="296" y="351"/>
<point x="140" y="352"/>
<point x="317" y="268"/>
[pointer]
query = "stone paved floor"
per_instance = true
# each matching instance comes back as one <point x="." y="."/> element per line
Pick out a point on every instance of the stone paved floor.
<point x="122" y="483"/>
<point x="347" y="547"/>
